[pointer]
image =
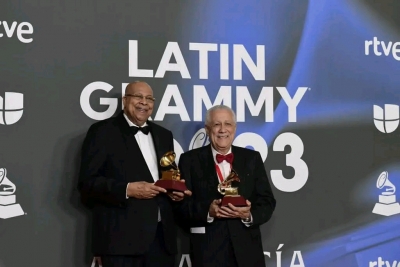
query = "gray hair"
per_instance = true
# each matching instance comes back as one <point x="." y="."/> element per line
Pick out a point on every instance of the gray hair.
<point x="218" y="107"/>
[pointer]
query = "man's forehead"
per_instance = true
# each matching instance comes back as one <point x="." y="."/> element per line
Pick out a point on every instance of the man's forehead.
<point x="140" y="88"/>
<point x="222" y="113"/>
<point x="222" y="118"/>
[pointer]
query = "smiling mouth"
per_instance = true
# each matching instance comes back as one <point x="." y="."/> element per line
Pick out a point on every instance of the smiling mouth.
<point x="142" y="110"/>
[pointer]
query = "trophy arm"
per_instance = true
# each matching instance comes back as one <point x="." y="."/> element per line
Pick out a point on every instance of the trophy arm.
<point x="220" y="189"/>
<point x="174" y="166"/>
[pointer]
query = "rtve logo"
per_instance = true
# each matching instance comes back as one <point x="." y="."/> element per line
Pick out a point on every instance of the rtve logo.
<point x="387" y="48"/>
<point x="23" y="28"/>
<point x="11" y="108"/>
<point x="386" y="120"/>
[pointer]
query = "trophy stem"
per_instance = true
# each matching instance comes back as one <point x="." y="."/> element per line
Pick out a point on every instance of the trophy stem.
<point x="174" y="166"/>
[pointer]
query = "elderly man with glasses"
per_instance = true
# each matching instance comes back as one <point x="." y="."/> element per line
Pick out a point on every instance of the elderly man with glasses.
<point x="133" y="223"/>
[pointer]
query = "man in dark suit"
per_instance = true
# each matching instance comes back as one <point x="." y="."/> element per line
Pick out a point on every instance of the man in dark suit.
<point x="133" y="222"/>
<point x="223" y="236"/>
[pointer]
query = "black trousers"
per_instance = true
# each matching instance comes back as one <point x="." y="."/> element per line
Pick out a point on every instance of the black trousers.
<point x="215" y="250"/>
<point x="224" y="258"/>
<point x="156" y="256"/>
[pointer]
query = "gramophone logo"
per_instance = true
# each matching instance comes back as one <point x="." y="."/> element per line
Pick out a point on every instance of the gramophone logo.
<point x="11" y="108"/>
<point x="387" y="205"/>
<point x="8" y="206"/>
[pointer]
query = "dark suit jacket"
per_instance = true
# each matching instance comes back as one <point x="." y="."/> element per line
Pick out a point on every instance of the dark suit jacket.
<point x="198" y="169"/>
<point x="110" y="159"/>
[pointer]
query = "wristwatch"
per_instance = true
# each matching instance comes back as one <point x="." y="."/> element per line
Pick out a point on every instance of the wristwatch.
<point x="247" y="219"/>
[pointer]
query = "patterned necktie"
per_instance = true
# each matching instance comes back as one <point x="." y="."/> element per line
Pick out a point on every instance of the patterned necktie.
<point x="228" y="158"/>
<point x="145" y="129"/>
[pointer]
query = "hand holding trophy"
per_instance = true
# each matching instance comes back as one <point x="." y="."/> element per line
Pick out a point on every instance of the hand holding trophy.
<point x="231" y="194"/>
<point x="170" y="179"/>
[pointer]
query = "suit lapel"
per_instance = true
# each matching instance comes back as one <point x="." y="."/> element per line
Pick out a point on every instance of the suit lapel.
<point x="210" y="174"/>
<point x="125" y="129"/>
<point x="239" y="165"/>
<point x="156" y="139"/>
<point x="128" y="136"/>
<point x="135" y="164"/>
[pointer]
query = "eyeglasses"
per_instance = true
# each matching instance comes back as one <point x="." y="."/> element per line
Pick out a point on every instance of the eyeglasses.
<point x="149" y="99"/>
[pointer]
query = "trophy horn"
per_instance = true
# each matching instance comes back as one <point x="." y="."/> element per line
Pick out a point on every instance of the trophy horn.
<point x="168" y="160"/>
<point x="8" y="187"/>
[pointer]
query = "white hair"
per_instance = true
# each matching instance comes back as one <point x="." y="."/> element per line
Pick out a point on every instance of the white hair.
<point x="218" y="107"/>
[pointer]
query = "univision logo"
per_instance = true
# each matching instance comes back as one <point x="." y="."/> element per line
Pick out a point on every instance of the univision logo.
<point x="11" y="108"/>
<point x="386" y="120"/>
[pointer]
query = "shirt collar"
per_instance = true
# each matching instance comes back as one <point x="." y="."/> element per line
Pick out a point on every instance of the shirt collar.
<point x="214" y="153"/>
<point x="131" y="123"/>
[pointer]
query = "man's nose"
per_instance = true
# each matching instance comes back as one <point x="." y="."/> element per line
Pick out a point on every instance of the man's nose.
<point x="143" y="101"/>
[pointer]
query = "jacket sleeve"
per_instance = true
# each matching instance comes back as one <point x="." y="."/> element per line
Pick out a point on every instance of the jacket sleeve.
<point x="189" y="210"/>
<point x="94" y="185"/>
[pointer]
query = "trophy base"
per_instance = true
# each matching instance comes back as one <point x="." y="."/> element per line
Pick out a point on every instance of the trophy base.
<point x="10" y="211"/>
<point x="386" y="209"/>
<point x="236" y="200"/>
<point x="171" y="185"/>
<point x="7" y="200"/>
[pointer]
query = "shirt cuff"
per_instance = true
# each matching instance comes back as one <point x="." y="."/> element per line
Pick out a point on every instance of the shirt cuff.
<point x="126" y="194"/>
<point x="249" y="223"/>
<point x="209" y="219"/>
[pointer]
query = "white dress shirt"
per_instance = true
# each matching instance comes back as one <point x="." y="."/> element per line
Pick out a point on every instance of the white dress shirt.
<point x="146" y="146"/>
<point x="225" y="168"/>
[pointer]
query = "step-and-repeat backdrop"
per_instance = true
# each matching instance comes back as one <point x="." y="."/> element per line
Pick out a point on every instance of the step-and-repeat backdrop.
<point x="314" y="84"/>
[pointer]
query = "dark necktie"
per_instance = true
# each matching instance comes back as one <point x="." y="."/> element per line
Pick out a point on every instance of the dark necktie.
<point x="229" y="158"/>
<point x="145" y="129"/>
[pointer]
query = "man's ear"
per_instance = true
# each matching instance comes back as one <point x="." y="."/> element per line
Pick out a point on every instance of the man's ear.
<point x="207" y="130"/>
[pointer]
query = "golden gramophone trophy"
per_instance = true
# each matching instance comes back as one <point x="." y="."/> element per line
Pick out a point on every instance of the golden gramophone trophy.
<point x="231" y="194"/>
<point x="170" y="179"/>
